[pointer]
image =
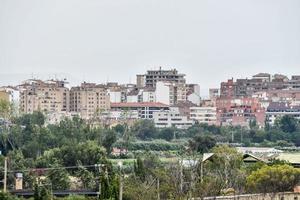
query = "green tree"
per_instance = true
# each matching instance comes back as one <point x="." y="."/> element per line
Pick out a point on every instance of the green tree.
<point x="144" y="129"/>
<point x="225" y="164"/>
<point x="6" y="196"/>
<point x="167" y="133"/>
<point x="87" y="178"/>
<point x="5" y="109"/>
<point x="202" y="143"/>
<point x="59" y="177"/>
<point x="109" y="138"/>
<point x="275" y="178"/>
<point x="139" y="168"/>
<point x="287" y="124"/>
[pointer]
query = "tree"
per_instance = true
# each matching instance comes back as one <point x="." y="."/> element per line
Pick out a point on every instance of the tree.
<point x="87" y="178"/>
<point x="167" y="133"/>
<point x="276" y="178"/>
<point x="287" y="124"/>
<point x="6" y="196"/>
<point x="144" y="129"/>
<point x="202" y="143"/>
<point x="109" y="138"/>
<point x="59" y="177"/>
<point x="5" y="109"/>
<point x="139" y="168"/>
<point x="225" y="164"/>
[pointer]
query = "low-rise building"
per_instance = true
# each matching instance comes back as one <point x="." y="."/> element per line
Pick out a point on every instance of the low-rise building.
<point x="206" y="115"/>
<point x="277" y="109"/>
<point x="145" y="109"/>
<point x="171" y="118"/>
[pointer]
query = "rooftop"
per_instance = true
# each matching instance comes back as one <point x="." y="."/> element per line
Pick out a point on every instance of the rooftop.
<point x="140" y="104"/>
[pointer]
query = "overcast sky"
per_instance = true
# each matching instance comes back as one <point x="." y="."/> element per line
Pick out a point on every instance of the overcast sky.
<point x="112" y="40"/>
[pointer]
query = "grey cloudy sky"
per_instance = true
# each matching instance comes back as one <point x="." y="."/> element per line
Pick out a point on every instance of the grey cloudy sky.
<point x="100" y="40"/>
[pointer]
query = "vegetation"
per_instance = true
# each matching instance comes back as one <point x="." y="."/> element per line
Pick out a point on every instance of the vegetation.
<point x="78" y="154"/>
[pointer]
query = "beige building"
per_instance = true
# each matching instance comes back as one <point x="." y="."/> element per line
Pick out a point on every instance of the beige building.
<point x="206" y="115"/>
<point x="89" y="99"/>
<point x="4" y="96"/>
<point x="45" y="96"/>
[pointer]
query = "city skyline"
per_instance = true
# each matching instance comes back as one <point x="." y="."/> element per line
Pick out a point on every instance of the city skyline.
<point x="100" y="41"/>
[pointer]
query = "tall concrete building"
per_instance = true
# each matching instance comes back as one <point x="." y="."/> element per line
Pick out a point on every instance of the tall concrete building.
<point x="45" y="96"/>
<point x="153" y="76"/>
<point x="89" y="99"/>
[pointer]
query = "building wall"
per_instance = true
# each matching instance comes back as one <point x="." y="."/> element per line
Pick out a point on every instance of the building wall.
<point x="267" y="196"/>
<point x="89" y="100"/>
<point x="149" y="96"/>
<point x="4" y="96"/>
<point x="162" y="93"/>
<point x="164" y="119"/>
<point x="115" y="96"/>
<point x="44" y="96"/>
<point x="204" y="114"/>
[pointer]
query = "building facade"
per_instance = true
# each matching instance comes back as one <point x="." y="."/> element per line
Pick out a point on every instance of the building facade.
<point x="206" y="115"/>
<point x="145" y="109"/>
<point x="89" y="100"/>
<point x="153" y="76"/>
<point x="45" y="96"/>
<point x="171" y="118"/>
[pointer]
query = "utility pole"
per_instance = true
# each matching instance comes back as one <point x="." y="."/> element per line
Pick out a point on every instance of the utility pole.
<point x="121" y="182"/>
<point x="99" y="181"/>
<point x="5" y="175"/>
<point x="181" y="177"/>
<point x="121" y="188"/>
<point x="158" y="190"/>
<point x="201" y="171"/>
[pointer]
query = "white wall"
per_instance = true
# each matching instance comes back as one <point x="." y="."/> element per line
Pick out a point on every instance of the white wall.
<point x="162" y="93"/>
<point x="194" y="98"/>
<point x="115" y="96"/>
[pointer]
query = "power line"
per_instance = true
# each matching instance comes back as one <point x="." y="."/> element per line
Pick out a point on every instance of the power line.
<point x="52" y="168"/>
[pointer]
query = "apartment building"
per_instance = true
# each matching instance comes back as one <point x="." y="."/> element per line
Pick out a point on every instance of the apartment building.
<point x="214" y="93"/>
<point x="171" y="118"/>
<point x="258" y="83"/>
<point x="4" y="96"/>
<point x="45" y="96"/>
<point x="145" y="109"/>
<point x="13" y="94"/>
<point x="279" y="109"/>
<point x="170" y="93"/>
<point x="153" y="76"/>
<point x="206" y="115"/>
<point x="89" y="99"/>
<point x="239" y="111"/>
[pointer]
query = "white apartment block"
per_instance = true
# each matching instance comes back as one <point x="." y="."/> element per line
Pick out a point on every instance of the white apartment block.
<point x="171" y="118"/>
<point x="204" y="114"/>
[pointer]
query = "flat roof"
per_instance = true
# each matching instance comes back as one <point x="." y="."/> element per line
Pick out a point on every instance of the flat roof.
<point x="139" y="104"/>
